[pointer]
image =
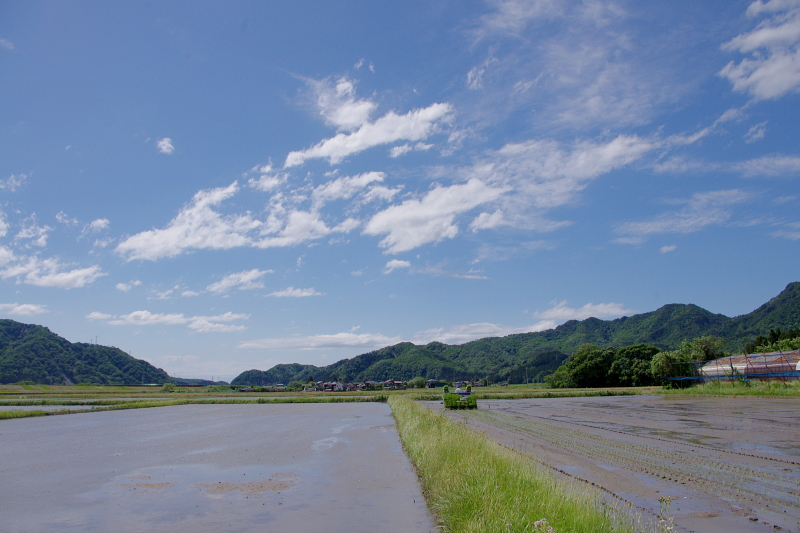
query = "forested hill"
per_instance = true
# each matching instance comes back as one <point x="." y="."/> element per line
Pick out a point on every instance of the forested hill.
<point x="30" y="352"/>
<point x="538" y="354"/>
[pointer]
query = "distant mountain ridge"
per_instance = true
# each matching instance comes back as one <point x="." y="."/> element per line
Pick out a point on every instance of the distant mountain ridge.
<point x="31" y="352"/>
<point x="534" y="355"/>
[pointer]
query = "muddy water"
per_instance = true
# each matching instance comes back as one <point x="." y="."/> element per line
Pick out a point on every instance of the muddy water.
<point x="193" y="468"/>
<point x="724" y="464"/>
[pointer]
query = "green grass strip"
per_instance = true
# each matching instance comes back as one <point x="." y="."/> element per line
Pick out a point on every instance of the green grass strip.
<point x="544" y="394"/>
<point x="7" y="415"/>
<point x="474" y="485"/>
<point x="117" y="405"/>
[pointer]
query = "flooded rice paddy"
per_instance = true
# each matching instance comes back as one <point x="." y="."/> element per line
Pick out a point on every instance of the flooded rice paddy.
<point x="198" y="468"/>
<point x="711" y="464"/>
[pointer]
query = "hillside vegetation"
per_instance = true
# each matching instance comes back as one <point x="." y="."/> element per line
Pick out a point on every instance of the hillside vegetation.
<point x="34" y="353"/>
<point x="533" y="356"/>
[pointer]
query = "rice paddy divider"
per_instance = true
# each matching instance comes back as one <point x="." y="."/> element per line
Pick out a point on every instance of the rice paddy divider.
<point x="116" y="405"/>
<point x="474" y="485"/>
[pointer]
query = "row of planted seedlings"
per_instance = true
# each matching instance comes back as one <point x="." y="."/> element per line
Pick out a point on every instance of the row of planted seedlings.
<point x="741" y="482"/>
<point x="755" y="486"/>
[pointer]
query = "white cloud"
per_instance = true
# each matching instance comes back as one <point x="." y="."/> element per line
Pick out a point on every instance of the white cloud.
<point x="430" y="219"/>
<point x="31" y="230"/>
<point x="3" y="227"/>
<point x="99" y="225"/>
<point x="561" y="312"/>
<point x="294" y="216"/>
<point x="488" y="221"/>
<point x="6" y="255"/>
<point x="50" y="273"/>
<point x="201" y="324"/>
<point x="403" y="149"/>
<point x="125" y="287"/>
<point x="339" y="106"/>
<point x="165" y="146"/>
<point x="756" y="133"/>
<point x="5" y="43"/>
<point x="196" y="226"/>
<point x="268" y="178"/>
<point x="668" y="248"/>
<point x="702" y="210"/>
<point x="397" y="151"/>
<point x="470" y="332"/>
<point x="343" y="188"/>
<point x="62" y="218"/>
<point x="394" y="264"/>
<point x="315" y="342"/>
<point x="23" y="309"/>
<point x="146" y="318"/>
<point x="379" y="193"/>
<point x="13" y="182"/>
<point x="773" y="68"/>
<point x="291" y="292"/>
<point x="301" y="226"/>
<point x="248" y="279"/>
<point x="415" y="125"/>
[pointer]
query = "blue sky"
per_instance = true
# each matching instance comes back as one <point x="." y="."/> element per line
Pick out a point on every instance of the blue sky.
<point x="215" y="187"/>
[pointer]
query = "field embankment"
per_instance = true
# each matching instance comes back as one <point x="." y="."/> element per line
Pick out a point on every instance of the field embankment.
<point x="474" y="485"/>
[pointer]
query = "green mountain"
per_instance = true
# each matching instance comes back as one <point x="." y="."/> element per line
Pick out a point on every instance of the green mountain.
<point x="30" y="352"/>
<point x="535" y="355"/>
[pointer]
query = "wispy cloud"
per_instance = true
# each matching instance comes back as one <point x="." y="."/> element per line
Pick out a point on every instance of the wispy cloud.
<point x="31" y="230"/>
<point x="756" y="133"/>
<point x="365" y="341"/>
<point x="701" y="210"/>
<point x="771" y="166"/>
<point x="245" y="280"/>
<point x="5" y="43"/>
<point x="291" y="292"/>
<point x="13" y="182"/>
<point x="579" y="64"/>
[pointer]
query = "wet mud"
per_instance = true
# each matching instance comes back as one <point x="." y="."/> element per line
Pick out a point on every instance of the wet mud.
<point x="194" y="468"/>
<point x="708" y="464"/>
